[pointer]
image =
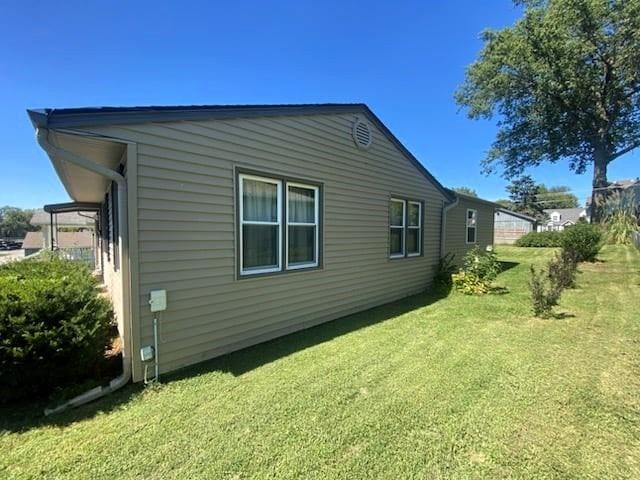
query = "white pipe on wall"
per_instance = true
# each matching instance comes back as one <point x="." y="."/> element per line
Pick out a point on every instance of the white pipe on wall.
<point x="121" y="380"/>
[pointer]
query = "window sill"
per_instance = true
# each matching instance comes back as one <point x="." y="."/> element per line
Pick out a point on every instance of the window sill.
<point x="290" y="270"/>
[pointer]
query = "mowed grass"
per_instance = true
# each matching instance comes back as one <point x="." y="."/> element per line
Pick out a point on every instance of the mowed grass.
<point x="458" y="387"/>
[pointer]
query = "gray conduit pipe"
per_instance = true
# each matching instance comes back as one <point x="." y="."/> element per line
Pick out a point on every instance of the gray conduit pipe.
<point x="121" y="380"/>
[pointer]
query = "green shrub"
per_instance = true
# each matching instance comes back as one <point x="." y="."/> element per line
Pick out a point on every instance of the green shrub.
<point x="584" y="240"/>
<point x="478" y="271"/>
<point x="540" y="239"/>
<point x="619" y="226"/>
<point x="442" y="280"/>
<point x="544" y="294"/>
<point x="54" y="326"/>
<point x="562" y="269"/>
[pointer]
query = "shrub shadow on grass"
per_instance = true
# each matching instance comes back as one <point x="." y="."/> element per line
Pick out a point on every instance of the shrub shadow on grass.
<point x="25" y="417"/>
<point x="504" y="265"/>
<point x="561" y="315"/>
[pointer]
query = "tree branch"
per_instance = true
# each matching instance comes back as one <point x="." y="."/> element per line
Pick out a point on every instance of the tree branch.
<point x="626" y="149"/>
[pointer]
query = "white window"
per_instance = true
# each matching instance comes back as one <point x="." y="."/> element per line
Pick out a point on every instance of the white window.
<point x="260" y="224"/>
<point x="472" y="225"/>
<point x="397" y="216"/>
<point x="302" y="226"/>
<point x="414" y="228"/>
<point x="555" y="217"/>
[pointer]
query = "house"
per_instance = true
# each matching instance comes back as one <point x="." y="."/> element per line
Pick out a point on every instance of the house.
<point x="560" y="218"/>
<point x="50" y="224"/>
<point x="36" y="241"/>
<point x="244" y="223"/>
<point x="509" y="226"/>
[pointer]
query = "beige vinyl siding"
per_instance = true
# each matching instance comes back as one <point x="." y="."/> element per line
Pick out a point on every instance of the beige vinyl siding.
<point x="456" y="231"/>
<point x="186" y="229"/>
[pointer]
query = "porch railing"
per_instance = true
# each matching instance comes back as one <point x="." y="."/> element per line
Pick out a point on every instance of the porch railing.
<point x="85" y="255"/>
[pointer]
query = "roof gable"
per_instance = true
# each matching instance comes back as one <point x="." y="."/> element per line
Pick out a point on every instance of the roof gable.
<point x="83" y="117"/>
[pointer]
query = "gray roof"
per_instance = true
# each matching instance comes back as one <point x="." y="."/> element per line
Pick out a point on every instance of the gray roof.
<point x="517" y="214"/>
<point x="472" y="198"/>
<point x="566" y="214"/>
<point x="89" y="116"/>
<point x="40" y="217"/>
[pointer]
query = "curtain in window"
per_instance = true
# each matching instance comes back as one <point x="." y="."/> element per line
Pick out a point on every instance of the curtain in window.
<point x="302" y="205"/>
<point x="260" y="201"/>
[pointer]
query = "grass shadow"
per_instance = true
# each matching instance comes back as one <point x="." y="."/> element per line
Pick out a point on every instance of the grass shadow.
<point x="504" y="265"/>
<point x="498" y="290"/>
<point x="561" y="315"/>
<point x="25" y="417"/>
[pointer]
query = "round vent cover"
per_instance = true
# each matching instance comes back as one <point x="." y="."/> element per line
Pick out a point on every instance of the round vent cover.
<point x="362" y="134"/>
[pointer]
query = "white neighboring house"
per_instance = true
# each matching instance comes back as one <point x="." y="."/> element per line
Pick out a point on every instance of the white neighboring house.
<point x="67" y="220"/>
<point x="560" y="218"/>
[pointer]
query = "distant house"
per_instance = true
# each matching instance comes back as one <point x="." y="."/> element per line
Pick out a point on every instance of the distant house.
<point x="36" y="241"/>
<point x="66" y="221"/>
<point x="509" y="226"/>
<point x="560" y="218"/>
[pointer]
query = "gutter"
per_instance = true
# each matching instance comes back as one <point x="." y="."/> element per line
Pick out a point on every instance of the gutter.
<point x="120" y="381"/>
<point x="443" y="223"/>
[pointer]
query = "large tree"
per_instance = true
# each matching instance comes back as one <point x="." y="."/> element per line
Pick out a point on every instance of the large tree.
<point x="523" y="193"/>
<point x="14" y="222"/>
<point x="565" y="82"/>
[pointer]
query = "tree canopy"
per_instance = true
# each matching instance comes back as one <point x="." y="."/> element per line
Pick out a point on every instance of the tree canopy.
<point x="14" y="222"/>
<point x="565" y="83"/>
<point x="530" y="198"/>
<point x="465" y="191"/>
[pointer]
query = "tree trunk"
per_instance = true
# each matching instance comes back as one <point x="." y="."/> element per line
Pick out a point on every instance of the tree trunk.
<point x="599" y="184"/>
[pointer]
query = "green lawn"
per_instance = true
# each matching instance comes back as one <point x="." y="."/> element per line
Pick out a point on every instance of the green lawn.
<point x="460" y="387"/>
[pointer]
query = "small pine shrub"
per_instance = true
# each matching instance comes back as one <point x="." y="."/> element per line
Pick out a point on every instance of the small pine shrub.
<point x="584" y="240"/>
<point x="54" y="326"/>
<point x="540" y="239"/>
<point x="442" y="280"/>
<point x="544" y="295"/>
<point x="562" y="269"/>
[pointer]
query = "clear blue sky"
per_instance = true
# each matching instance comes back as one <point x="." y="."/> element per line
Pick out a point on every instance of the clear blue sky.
<point x="403" y="59"/>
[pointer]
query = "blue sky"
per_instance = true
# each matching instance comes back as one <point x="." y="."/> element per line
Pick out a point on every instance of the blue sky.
<point x="404" y="61"/>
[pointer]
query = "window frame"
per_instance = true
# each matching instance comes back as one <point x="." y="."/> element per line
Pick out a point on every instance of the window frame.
<point x="467" y="227"/>
<point x="405" y="227"/>
<point x="402" y="227"/>
<point x="283" y="230"/>
<point x="242" y="222"/>
<point x="414" y="227"/>
<point x="316" y="225"/>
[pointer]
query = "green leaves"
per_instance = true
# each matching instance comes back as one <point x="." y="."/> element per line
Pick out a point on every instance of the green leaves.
<point x="564" y="82"/>
<point x="54" y="327"/>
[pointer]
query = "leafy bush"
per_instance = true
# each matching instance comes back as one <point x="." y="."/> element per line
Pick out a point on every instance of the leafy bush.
<point x="562" y="269"/>
<point x="470" y="284"/>
<point x="478" y="271"/>
<point x="54" y="326"/>
<point x="544" y="294"/>
<point x="619" y="226"/>
<point x="540" y="239"/>
<point x="442" y="280"/>
<point x="584" y="239"/>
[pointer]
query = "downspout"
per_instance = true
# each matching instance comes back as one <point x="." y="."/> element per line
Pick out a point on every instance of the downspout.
<point x="121" y="380"/>
<point x="443" y="224"/>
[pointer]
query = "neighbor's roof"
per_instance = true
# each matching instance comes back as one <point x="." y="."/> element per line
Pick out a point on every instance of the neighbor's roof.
<point x="471" y="198"/>
<point x="517" y="214"/>
<point x="40" y="217"/>
<point x="90" y="116"/>
<point x="65" y="240"/>
<point x="33" y="240"/>
<point x="566" y="214"/>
